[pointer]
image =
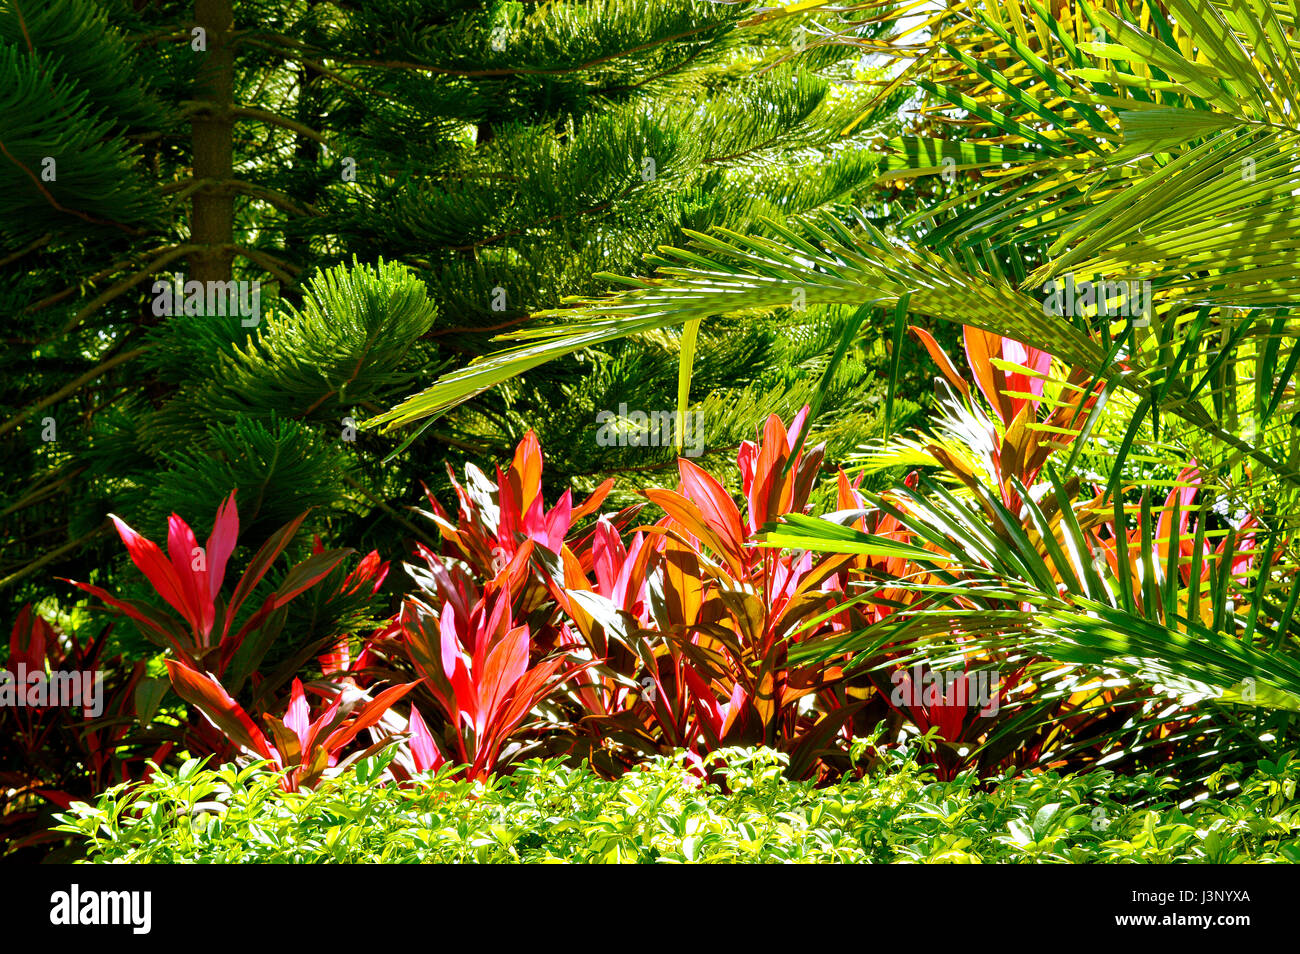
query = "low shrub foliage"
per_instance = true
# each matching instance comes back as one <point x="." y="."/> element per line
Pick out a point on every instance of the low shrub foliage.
<point x="662" y="812"/>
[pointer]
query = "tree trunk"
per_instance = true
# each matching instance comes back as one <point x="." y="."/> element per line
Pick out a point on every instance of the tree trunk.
<point x="212" y="217"/>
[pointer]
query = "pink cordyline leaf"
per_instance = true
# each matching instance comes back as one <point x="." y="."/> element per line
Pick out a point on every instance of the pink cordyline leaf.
<point x="557" y="523"/>
<point x="363" y="718"/>
<point x="1184" y="495"/>
<point x="1019" y="381"/>
<point x="715" y="504"/>
<point x="424" y="750"/>
<point x="298" y="715"/>
<point x="221" y="544"/>
<point x="796" y="425"/>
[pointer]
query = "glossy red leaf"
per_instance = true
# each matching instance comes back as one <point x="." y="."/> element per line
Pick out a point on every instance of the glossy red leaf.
<point x="205" y="692"/>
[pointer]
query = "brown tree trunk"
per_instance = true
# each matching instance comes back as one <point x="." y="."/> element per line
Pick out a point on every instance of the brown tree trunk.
<point x="212" y="217"/>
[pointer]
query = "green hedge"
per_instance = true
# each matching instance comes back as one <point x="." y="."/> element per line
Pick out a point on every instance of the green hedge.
<point x="546" y="812"/>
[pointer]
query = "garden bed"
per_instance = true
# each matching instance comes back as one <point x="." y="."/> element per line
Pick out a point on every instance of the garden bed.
<point x="662" y="813"/>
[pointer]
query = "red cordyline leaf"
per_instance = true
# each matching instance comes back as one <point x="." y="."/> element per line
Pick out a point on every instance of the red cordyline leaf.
<point x="149" y="619"/>
<point x="522" y="511"/>
<point x="689" y="517"/>
<point x="337" y="660"/>
<point x="205" y="692"/>
<point x="556" y="524"/>
<point x="161" y="573"/>
<point x="221" y="544"/>
<point x="768" y="492"/>
<point x="28" y="640"/>
<point x="949" y="716"/>
<point x="1184" y="495"/>
<point x="630" y="584"/>
<point x="524" y="478"/>
<point x="486" y="626"/>
<point x="593" y="502"/>
<point x="715" y="505"/>
<point x="715" y="718"/>
<point x="503" y="667"/>
<point x="371" y="570"/>
<point x="312" y="745"/>
<point x="940" y="357"/>
<point x="366" y="716"/>
<point x="452" y="583"/>
<point x="609" y="555"/>
<point x="981" y="347"/>
<point x="455" y="668"/>
<point x="298" y="716"/>
<point x="419" y="629"/>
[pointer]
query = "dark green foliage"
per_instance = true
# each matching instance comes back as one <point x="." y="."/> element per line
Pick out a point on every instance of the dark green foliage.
<point x="408" y="178"/>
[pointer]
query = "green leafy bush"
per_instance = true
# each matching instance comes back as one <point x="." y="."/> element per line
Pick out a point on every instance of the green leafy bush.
<point x="546" y="812"/>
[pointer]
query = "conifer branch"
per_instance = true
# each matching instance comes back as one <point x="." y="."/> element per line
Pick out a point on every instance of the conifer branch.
<point x="282" y="270"/>
<point x="320" y="68"/>
<point x="187" y="186"/>
<point x="42" y="492"/>
<point x="71" y="387"/>
<point x="51" y="556"/>
<point x="126" y="284"/>
<point x="275" y="119"/>
<point x="49" y="197"/>
<point x="533" y="71"/>
<point x="60" y="295"/>
<point x="22" y="25"/>
<point x="30" y="247"/>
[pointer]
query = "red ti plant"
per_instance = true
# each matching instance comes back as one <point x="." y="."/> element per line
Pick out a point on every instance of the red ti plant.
<point x="363" y="582"/>
<point x="722" y="614"/>
<point x="301" y="747"/>
<point x="189" y="579"/>
<point x="502" y="533"/>
<point x="495" y="519"/>
<point x="52" y="754"/>
<point x="497" y="522"/>
<point x="474" y="661"/>
<point x="620" y="598"/>
<point x="948" y="705"/>
<point x="1011" y="378"/>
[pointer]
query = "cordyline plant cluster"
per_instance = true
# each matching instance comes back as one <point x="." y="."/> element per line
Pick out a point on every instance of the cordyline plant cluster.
<point x="567" y="631"/>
